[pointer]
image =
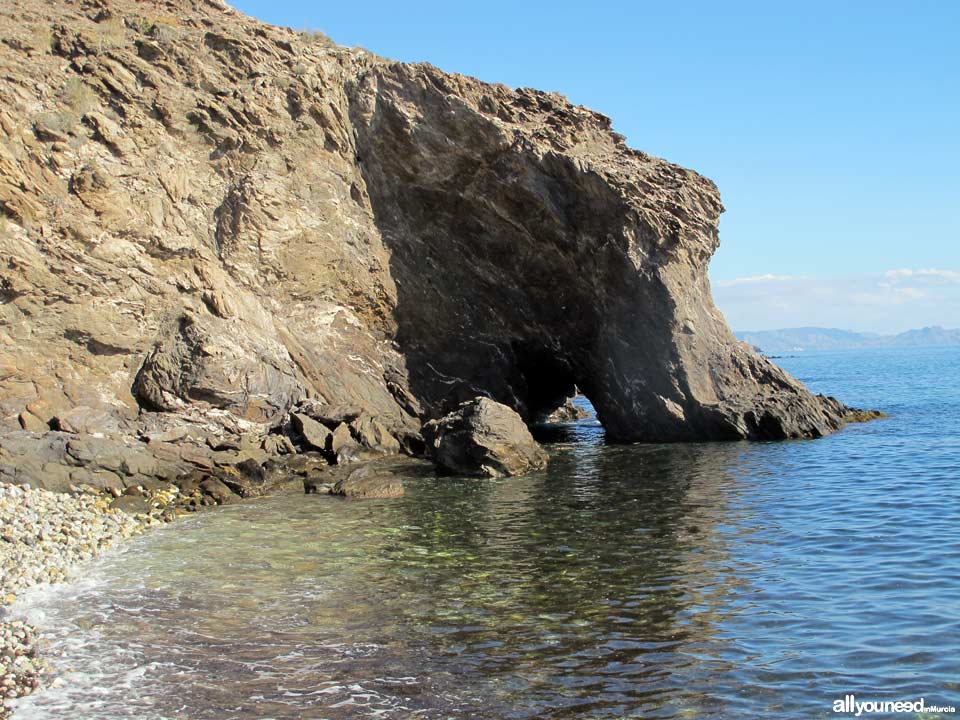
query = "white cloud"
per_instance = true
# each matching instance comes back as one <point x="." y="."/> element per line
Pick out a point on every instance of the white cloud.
<point x="893" y="301"/>
<point x="756" y="279"/>
<point x="928" y="275"/>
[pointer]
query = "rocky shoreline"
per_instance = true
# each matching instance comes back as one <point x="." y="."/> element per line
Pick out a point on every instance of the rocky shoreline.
<point x="126" y="487"/>
<point x="44" y="536"/>
<point x="240" y="258"/>
<point x="209" y="222"/>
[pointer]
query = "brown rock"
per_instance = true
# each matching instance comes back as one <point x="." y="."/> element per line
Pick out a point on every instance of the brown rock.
<point x="373" y="434"/>
<point x="31" y="423"/>
<point x="284" y="232"/>
<point x="369" y="482"/>
<point x="342" y="444"/>
<point x="132" y="504"/>
<point x="329" y="415"/>
<point x="855" y="415"/>
<point x="484" y="438"/>
<point x="215" y="489"/>
<point x="313" y="433"/>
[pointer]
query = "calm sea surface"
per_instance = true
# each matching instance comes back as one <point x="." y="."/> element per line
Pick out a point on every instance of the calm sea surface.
<point x="701" y="581"/>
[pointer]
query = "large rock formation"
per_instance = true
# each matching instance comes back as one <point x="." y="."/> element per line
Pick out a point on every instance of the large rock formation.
<point x="205" y="220"/>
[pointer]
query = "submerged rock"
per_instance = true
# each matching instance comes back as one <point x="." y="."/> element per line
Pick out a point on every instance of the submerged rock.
<point x="483" y="438"/>
<point x="382" y="477"/>
<point x="856" y="415"/>
<point x="369" y="482"/>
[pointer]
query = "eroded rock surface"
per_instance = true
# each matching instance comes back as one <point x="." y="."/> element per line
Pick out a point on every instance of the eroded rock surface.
<point x="208" y="222"/>
<point x="483" y="438"/>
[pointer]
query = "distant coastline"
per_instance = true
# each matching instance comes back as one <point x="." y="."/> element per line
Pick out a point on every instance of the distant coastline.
<point x="817" y="338"/>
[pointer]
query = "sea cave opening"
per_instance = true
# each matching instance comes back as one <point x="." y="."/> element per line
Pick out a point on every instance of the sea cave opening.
<point x="557" y="409"/>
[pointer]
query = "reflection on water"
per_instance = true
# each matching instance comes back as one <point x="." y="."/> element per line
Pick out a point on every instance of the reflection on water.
<point x="729" y="580"/>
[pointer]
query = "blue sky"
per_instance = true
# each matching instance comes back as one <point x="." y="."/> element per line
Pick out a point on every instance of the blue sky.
<point x="832" y="129"/>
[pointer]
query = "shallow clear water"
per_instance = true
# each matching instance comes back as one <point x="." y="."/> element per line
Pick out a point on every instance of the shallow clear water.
<point x="698" y="581"/>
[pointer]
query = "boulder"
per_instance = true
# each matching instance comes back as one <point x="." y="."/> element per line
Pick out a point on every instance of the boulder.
<point x="373" y="434"/>
<point x="132" y="504"/>
<point x="314" y="434"/>
<point x="369" y="482"/>
<point x="218" y="491"/>
<point x="227" y="365"/>
<point x="31" y="423"/>
<point x="317" y="484"/>
<point x="342" y="444"/>
<point x="85" y="420"/>
<point x="278" y="445"/>
<point x="483" y="438"/>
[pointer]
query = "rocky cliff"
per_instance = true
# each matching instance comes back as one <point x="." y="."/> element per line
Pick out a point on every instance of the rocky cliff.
<point x="205" y="220"/>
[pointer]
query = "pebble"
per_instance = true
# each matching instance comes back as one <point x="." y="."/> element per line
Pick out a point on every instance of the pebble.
<point x="43" y="535"/>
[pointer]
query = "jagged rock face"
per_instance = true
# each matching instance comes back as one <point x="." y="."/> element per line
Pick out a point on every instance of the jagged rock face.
<point x="533" y="251"/>
<point x="209" y="218"/>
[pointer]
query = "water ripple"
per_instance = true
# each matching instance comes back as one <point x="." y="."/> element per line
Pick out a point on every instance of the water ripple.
<point x="707" y="581"/>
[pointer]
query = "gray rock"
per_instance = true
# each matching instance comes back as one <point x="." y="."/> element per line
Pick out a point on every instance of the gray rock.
<point x="567" y="412"/>
<point x="315" y="487"/>
<point x="278" y="445"/>
<point x="99" y="479"/>
<point x="86" y="420"/>
<point x="483" y="438"/>
<point x="167" y="436"/>
<point x="379" y="477"/>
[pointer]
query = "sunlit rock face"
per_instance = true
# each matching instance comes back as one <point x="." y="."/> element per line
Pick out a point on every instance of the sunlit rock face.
<point x="207" y="220"/>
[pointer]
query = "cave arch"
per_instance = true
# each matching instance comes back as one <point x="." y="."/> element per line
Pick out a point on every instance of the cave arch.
<point x="532" y="251"/>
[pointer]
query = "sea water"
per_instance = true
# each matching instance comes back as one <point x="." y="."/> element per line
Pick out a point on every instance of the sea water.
<point x="731" y="580"/>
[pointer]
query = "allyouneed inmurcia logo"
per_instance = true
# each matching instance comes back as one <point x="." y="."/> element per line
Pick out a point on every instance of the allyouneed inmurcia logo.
<point x="850" y="704"/>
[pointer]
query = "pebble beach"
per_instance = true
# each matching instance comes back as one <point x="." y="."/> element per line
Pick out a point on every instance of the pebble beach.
<point x="44" y="536"/>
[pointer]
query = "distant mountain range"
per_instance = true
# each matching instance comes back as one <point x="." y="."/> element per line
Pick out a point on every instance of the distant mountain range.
<point x="816" y="338"/>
